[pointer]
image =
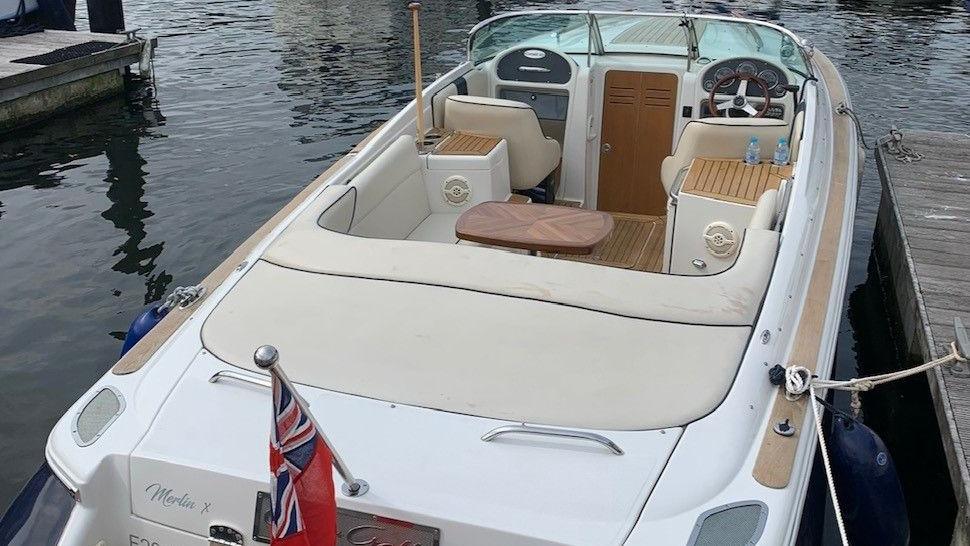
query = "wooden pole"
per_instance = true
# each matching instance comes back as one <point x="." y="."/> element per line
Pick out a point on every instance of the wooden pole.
<point x="418" y="83"/>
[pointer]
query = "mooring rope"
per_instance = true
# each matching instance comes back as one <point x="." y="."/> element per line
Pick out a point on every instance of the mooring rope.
<point x="844" y="109"/>
<point x="900" y="151"/>
<point x="828" y="467"/>
<point x="182" y="297"/>
<point x="798" y="380"/>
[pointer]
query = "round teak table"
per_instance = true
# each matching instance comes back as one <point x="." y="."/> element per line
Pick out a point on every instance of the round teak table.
<point x="534" y="227"/>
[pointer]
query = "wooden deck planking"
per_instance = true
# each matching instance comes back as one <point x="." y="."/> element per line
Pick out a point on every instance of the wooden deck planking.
<point x="924" y="220"/>
<point x="17" y="47"/>
<point x="732" y="180"/>
<point x="637" y="243"/>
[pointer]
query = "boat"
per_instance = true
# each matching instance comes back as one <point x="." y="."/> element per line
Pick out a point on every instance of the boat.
<point x="548" y="319"/>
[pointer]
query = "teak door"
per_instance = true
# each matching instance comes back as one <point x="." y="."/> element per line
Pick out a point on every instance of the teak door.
<point x="638" y="126"/>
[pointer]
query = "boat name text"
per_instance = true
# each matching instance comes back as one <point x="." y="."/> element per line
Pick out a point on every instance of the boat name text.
<point x="170" y="498"/>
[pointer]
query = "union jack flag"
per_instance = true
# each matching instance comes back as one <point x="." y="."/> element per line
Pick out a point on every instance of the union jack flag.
<point x="304" y="509"/>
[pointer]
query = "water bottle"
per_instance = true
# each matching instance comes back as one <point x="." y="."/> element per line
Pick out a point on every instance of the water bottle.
<point x="781" y="152"/>
<point x="753" y="155"/>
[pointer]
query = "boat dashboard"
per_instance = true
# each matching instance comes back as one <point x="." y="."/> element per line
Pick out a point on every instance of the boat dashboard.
<point x="772" y="75"/>
<point x="747" y="77"/>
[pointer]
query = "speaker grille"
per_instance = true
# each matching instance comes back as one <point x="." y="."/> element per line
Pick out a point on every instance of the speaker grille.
<point x="736" y="524"/>
<point x="96" y="415"/>
<point x="456" y="191"/>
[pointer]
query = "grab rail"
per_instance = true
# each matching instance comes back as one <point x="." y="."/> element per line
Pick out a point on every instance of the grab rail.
<point x="236" y="376"/>
<point x="556" y="432"/>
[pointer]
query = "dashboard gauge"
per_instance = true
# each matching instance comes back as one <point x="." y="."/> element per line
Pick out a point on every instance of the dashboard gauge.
<point x="770" y="78"/>
<point x="747" y="68"/>
<point x="780" y="92"/>
<point x="708" y="85"/>
<point x="722" y="73"/>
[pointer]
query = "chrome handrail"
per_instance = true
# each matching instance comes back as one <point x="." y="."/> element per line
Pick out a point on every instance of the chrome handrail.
<point x="556" y="432"/>
<point x="236" y="376"/>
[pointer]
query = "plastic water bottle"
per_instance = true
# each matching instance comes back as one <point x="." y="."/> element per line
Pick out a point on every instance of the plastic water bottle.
<point x="753" y="155"/>
<point x="781" y="152"/>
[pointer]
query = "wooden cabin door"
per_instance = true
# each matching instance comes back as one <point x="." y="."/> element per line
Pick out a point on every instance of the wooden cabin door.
<point x="639" y="109"/>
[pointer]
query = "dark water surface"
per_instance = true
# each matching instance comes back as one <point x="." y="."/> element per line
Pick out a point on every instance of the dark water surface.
<point x="107" y="209"/>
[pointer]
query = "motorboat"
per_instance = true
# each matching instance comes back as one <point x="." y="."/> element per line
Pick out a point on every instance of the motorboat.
<point x="538" y="306"/>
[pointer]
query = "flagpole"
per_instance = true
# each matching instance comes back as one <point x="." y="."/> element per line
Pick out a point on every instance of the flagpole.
<point x="268" y="358"/>
<point x="418" y="81"/>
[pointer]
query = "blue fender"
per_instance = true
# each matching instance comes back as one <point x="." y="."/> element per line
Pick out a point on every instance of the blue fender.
<point x="870" y="494"/>
<point x="142" y="324"/>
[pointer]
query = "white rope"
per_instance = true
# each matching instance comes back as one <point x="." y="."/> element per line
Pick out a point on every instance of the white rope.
<point x="182" y="297"/>
<point x="828" y="467"/>
<point x="799" y="380"/>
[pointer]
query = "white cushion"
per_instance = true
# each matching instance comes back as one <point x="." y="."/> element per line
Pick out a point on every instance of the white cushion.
<point x="730" y="298"/>
<point x="765" y="211"/>
<point x="439" y="228"/>
<point x="465" y="352"/>
<point x="391" y="196"/>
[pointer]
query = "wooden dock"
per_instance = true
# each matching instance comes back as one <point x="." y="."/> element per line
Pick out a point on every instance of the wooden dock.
<point x="923" y="238"/>
<point x="30" y="91"/>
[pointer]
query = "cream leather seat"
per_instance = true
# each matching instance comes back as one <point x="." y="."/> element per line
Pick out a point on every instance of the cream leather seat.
<point x="720" y="138"/>
<point x="532" y="156"/>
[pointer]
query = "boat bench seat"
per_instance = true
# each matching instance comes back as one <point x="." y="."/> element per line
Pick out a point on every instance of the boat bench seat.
<point x="389" y="200"/>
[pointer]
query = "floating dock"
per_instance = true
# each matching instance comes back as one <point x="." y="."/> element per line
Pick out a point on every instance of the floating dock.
<point x="923" y="237"/>
<point x="45" y="73"/>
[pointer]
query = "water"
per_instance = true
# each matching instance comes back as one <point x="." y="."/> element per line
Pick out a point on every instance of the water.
<point x="106" y="209"/>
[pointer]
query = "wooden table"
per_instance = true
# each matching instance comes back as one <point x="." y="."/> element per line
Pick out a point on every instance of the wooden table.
<point x="733" y="180"/>
<point x="534" y="227"/>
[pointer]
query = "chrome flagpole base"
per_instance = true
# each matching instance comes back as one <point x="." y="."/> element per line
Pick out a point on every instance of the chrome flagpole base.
<point x="354" y="489"/>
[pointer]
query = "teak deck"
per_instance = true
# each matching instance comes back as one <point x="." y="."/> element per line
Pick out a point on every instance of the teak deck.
<point x="466" y="144"/>
<point x="636" y="242"/>
<point x="776" y="456"/>
<point x="733" y="180"/>
<point x="922" y="232"/>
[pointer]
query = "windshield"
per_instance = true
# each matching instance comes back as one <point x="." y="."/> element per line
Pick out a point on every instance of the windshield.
<point x="638" y="33"/>
<point x="720" y="39"/>
<point x="565" y="32"/>
<point x="642" y="34"/>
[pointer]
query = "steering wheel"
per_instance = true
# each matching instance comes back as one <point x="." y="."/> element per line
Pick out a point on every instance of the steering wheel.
<point x="740" y="99"/>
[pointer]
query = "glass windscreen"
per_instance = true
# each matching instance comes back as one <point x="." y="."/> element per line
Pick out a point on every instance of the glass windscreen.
<point x="565" y="32"/>
<point x="721" y="39"/>
<point x="622" y="33"/>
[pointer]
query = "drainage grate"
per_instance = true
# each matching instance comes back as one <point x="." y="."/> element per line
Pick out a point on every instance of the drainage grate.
<point x="67" y="53"/>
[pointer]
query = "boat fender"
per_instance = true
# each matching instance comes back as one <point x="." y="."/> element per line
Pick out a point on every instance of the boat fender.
<point x="869" y="491"/>
<point x="143" y="324"/>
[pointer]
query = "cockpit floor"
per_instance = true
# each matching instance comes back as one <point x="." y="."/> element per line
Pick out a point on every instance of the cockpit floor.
<point x="636" y="243"/>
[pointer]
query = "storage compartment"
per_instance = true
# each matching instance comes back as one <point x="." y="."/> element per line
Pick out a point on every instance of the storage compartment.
<point x="547" y="105"/>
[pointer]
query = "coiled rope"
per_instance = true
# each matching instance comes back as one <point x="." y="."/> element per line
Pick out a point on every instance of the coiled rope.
<point x="181" y="297"/>
<point x="799" y="380"/>
<point x="896" y="148"/>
